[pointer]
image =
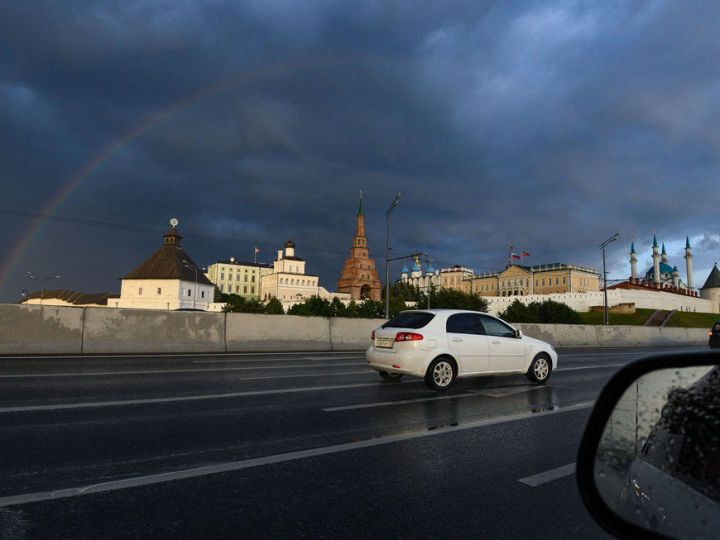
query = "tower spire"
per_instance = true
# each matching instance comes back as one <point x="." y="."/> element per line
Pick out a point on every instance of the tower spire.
<point x="360" y="213"/>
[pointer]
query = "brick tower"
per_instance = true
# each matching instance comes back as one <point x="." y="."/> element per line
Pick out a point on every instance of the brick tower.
<point x="359" y="277"/>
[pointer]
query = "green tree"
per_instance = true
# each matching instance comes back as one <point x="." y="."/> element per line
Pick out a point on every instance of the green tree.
<point x="313" y="306"/>
<point x="547" y="312"/>
<point x="452" y="299"/>
<point x="274" y="307"/>
<point x="237" y="304"/>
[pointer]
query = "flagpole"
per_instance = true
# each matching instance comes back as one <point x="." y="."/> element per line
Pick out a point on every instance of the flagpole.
<point x="255" y="255"/>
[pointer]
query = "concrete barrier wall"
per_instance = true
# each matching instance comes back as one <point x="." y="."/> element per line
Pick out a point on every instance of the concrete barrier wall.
<point x="352" y="334"/>
<point x="40" y="329"/>
<point x="151" y="331"/>
<point x="71" y="330"/>
<point x="248" y="332"/>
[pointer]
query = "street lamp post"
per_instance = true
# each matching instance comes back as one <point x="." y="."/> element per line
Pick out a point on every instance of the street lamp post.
<point x="387" y="256"/>
<point x="42" y="282"/>
<point x="192" y="267"/>
<point x="605" y="243"/>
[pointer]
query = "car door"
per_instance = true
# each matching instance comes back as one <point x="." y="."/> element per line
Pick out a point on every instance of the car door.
<point x="506" y="352"/>
<point x="467" y="342"/>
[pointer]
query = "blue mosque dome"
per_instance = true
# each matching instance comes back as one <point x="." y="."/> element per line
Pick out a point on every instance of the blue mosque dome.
<point x="415" y="267"/>
<point x="404" y="270"/>
<point x="430" y="270"/>
<point x="664" y="269"/>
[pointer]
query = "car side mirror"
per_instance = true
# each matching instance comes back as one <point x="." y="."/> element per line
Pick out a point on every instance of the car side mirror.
<point x="518" y="333"/>
<point x="649" y="460"/>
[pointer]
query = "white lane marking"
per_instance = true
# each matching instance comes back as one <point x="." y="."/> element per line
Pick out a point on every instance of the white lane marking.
<point x="90" y="356"/>
<point x="245" y="360"/>
<point x="390" y="403"/>
<point x="602" y="366"/>
<point x="166" y="371"/>
<point x="268" y="460"/>
<point x="504" y="392"/>
<point x="548" y="476"/>
<point x="92" y="404"/>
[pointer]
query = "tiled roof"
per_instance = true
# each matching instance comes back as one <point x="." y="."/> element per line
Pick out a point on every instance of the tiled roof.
<point x="713" y="279"/>
<point x="168" y="263"/>
<point x="74" y="297"/>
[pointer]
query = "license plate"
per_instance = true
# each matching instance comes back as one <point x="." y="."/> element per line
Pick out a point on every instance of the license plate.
<point x="385" y="343"/>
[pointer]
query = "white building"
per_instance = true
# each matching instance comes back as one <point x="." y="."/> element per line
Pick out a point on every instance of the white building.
<point x="289" y="283"/>
<point x="239" y="277"/>
<point x="168" y="279"/>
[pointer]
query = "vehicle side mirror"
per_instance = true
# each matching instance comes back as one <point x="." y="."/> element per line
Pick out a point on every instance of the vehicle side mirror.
<point x="518" y="333"/>
<point x="649" y="460"/>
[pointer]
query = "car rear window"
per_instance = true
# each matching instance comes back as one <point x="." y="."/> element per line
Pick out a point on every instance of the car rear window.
<point x="409" y="320"/>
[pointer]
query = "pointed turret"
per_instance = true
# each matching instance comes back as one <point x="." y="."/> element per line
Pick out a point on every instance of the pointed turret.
<point x="656" y="260"/>
<point x="664" y="258"/>
<point x="688" y="262"/>
<point x="633" y="261"/>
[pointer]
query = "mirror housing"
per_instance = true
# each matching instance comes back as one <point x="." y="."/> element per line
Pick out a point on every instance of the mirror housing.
<point x="518" y="333"/>
<point x="622" y="504"/>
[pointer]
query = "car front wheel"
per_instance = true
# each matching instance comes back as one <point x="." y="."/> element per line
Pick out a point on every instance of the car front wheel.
<point x="388" y="376"/>
<point x="540" y="368"/>
<point x="440" y="373"/>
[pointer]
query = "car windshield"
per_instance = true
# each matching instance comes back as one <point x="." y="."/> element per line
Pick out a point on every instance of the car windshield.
<point x="415" y="320"/>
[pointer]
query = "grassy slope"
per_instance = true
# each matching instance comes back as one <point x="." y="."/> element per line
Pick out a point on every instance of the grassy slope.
<point x="631" y="319"/>
<point x="693" y="320"/>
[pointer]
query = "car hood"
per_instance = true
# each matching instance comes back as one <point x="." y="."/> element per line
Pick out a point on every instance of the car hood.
<point x="536" y="342"/>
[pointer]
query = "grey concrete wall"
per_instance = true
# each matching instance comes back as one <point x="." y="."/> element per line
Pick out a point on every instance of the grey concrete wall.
<point x="578" y="335"/>
<point x="352" y="334"/>
<point x="69" y="330"/>
<point x="150" y="331"/>
<point x="40" y="329"/>
<point x="248" y="332"/>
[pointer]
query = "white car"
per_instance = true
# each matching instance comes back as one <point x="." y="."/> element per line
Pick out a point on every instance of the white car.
<point x="443" y="344"/>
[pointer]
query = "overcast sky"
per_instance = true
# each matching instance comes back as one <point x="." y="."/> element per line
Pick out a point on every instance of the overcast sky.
<point x="548" y="126"/>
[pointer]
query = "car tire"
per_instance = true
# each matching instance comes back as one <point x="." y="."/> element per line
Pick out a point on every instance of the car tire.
<point x="390" y="376"/>
<point x="441" y="373"/>
<point x="540" y="369"/>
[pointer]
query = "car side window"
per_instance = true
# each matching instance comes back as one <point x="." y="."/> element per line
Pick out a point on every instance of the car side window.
<point x="464" y="323"/>
<point x="493" y="327"/>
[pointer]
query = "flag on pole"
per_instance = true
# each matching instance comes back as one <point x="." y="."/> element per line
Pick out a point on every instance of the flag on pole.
<point x="514" y="256"/>
<point x="525" y="254"/>
<point x="257" y="250"/>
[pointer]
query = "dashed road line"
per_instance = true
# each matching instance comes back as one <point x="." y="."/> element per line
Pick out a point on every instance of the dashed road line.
<point x="196" y="472"/>
<point x="548" y="476"/>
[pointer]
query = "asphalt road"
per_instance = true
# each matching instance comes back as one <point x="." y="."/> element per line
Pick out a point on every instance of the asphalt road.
<point x="290" y="445"/>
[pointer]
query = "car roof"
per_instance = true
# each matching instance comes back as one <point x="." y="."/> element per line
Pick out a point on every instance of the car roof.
<point x="443" y="311"/>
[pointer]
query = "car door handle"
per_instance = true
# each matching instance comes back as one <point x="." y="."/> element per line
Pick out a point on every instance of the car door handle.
<point x="496" y="342"/>
<point x="456" y="339"/>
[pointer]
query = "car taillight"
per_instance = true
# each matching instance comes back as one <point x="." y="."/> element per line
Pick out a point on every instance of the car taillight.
<point x="372" y="336"/>
<point x="408" y="336"/>
<point x="710" y="333"/>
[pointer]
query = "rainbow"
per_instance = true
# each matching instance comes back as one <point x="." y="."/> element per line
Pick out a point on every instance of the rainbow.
<point x="28" y="238"/>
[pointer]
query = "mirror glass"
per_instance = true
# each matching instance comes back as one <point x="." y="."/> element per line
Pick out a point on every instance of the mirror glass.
<point x="658" y="461"/>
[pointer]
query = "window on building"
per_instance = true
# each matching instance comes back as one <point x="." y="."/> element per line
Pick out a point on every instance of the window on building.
<point x="159" y="291"/>
<point x="245" y="289"/>
<point x="202" y="294"/>
<point x="189" y="292"/>
<point x="237" y="288"/>
<point x="557" y="281"/>
<point x="245" y="280"/>
<point x="252" y="290"/>
<point x="222" y="277"/>
<point x="237" y="277"/>
<point x="253" y="278"/>
<point x="140" y="291"/>
<point x="543" y="282"/>
<point x="222" y="288"/>
<point x="563" y="281"/>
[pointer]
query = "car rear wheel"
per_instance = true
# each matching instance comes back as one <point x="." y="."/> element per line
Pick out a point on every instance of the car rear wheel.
<point x="389" y="376"/>
<point x="540" y="368"/>
<point x="440" y="373"/>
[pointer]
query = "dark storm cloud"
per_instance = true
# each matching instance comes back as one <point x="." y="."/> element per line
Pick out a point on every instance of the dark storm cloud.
<point x="548" y="126"/>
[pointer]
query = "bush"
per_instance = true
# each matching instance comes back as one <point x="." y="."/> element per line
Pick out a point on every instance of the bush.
<point x="274" y="307"/>
<point x="238" y="304"/>
<point x="452" y="299"/>
<point x="547" y="312"/>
